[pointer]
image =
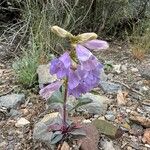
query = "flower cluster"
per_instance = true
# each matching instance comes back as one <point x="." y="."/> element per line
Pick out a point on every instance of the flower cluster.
<point x="85" y="74"/>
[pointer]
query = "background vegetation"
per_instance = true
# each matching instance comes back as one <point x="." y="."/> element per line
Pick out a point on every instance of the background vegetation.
<point x="25" y="27"/>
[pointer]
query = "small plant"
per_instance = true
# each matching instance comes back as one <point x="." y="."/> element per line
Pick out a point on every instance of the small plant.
<point x="78" y="72"/>
<point x="26" y="67"/>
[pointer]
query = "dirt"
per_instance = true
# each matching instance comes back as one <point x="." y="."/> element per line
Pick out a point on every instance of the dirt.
<point x="13" y="138"/>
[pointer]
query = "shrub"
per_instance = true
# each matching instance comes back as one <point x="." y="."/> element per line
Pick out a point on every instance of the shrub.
<point x="26" y="66"/>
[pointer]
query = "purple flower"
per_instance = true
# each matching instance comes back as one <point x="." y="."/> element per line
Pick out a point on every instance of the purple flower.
<point x="83" y="53"/>
<point x="81" y="88"/>
<point x="90" y="64"/>
<point x="96" y="45"/>
<point x="61" y="66"/>
<point x="74" y="79"/>
<point x="47" y="91"/>
<point x="82" y="50"/>
<point x="88" y="71"/>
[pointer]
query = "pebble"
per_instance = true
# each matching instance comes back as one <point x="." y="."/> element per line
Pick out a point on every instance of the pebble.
<point x="22" y="122"/>
<point x="134" y="70"/>
<point x="147" y="145"/>
<point x="110" y="117"/>
<point x="116" y="68"/>
<point x="86" y="121"/>
<point x="128" y="110"/>
<point x="124" y="68"/>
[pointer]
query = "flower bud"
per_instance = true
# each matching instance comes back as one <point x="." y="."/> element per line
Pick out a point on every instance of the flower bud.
<point x="86" y="37"/>
<point x="61" y="32"/>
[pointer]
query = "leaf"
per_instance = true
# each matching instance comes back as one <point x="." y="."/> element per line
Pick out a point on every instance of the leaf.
<point x="56" y="137"/>
<point x="138" y="118"/>
<point x="55" y="98"/>
<point x="146" y="137"/>
<point x="121" y="98"/>
<point x="81" y="102"/>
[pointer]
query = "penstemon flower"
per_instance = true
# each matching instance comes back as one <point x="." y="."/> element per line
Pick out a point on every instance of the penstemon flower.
<point x="78" y="69"/>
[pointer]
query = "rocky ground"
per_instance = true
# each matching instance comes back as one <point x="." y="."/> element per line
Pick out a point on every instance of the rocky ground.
<point x="120" y="107"/>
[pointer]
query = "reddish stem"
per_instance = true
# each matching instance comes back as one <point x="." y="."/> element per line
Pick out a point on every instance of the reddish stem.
<point x="64" y="106"/>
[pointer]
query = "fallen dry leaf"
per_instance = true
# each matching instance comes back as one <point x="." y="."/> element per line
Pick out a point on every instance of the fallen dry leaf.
<point x="65" y="146"/>
<point x="135" y="117"/>
<point x="121" y="98"/>
<point x="146" y="136"/>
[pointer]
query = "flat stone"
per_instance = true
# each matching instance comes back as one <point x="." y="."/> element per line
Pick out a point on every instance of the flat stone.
<point x="103" y="76"/>
<point x="14" y="113"/>
<point x="110" y="117"/>
<point x="12" y="100"/>
<point x="90" y="142"/>
<point x="107" y="145"/>
<point x="145" y="73"/>
<point x="97" y="106"/>
<point x="44" y="76"/>
<point x="22" y="122"/>
<point x="107" y="128"/>
<point x="109" y="87"/>
<point x="40" y="131"/>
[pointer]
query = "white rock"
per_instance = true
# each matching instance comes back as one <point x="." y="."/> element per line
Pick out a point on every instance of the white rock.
<point x="124" y="67"/>
<point x="86" y="121"/>
<point x="147" y="145"/>
<point x="107" y="145"/>
<point x="116" y="68"/>
<point x="145" y="88"/>
<point x="134" y="70"/>
<point x="22" y="122"/>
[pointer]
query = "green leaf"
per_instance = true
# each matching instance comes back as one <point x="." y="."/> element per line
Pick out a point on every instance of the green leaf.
<point x="81" y="102"/>
<point x="56" y="137"/>
<point x="55" y="98"/>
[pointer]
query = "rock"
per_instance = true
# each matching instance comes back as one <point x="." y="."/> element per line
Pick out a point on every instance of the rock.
<point x="3" y="145"/>
<point x="146" y="136"/>
<point x="90" y="142"/>
<point x="116" y="68"/>
<point x="12" y="100"/>
<point x="44" y="77"/>
<point x="40" y="131"/>
<point x="107" y="145"/>
<point x="109" y="87"/>
<point x="86" y="121"/>
<point x="134" y="70"/>
<point x="65" y="146"/>
<point x="107" y="128"/>
<point x="97" y="106"/>
<point x="14" y="113"/>
<point x="124" y="68"/>
<point x="137" y="118"/>
<point x="110" y="116"/>
<point x="103" y="76"/>
<point x="49" y="118"/>
<point x="22" y="122"/>
<point x="136" y="130"/>
<point x="145" y="73"/>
